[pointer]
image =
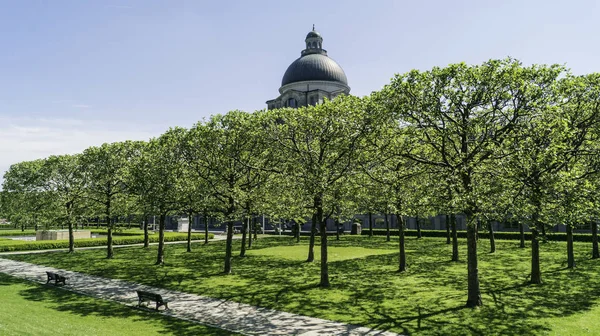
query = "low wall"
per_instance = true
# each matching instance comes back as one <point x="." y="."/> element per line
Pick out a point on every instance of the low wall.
<point x="61" y="235"/>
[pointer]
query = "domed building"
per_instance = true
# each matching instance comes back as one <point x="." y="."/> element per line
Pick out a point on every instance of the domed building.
<point x="311" y="78"/>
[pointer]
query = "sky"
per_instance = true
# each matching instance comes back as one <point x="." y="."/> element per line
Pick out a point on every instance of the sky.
<point x="75" y="74"/>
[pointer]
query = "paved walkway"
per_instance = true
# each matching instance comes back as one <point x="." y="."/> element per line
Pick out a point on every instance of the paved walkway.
<point x="228" y="315"/>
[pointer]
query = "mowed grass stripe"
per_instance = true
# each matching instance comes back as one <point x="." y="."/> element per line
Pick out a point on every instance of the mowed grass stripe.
<point x="366" y="289"/>
<point x="27" y="308"/>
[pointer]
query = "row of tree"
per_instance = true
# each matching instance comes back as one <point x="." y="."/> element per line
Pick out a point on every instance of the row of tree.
<point x="495" y="142"/>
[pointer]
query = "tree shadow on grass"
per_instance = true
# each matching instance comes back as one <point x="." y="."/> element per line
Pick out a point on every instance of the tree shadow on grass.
<point x="75" y="304"/>
<point x="428" y="299"/>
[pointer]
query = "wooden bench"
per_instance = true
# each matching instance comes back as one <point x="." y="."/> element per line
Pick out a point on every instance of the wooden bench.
<point x="144" y="296"/>
<point x="57" y="278"/>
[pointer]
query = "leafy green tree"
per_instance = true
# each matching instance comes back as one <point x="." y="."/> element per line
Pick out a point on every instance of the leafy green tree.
<point x="223" y="152"/>
<point x="319" y="146"/>
<point x="139" y="182"/>
<point x="62" y="177"/>
<point x="24" y="201"/>
<point x="162" y="162"/>
<point x="103" y="169"/>
<point x="551" y="142"/>
<point x="457" y="118"/>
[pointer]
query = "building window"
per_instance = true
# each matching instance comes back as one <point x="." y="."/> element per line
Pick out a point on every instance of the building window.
<point x="292" y="102"/>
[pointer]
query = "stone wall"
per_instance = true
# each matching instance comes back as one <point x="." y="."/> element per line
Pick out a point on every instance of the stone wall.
<point x="61" y="235"/>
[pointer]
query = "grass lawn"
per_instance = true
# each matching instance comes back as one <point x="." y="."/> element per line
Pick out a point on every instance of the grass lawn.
<point x="31" y="309"/>
<point x="366" y="289"/>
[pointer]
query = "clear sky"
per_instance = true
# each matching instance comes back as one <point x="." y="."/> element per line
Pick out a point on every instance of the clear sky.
<point x="79" y="73"/>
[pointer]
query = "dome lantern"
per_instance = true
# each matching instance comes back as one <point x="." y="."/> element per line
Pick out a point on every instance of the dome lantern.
<point x="314" y="43"/>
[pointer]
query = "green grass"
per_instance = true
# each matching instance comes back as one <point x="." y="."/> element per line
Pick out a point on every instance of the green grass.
<point x="31" y="309"/>
<point x="366" y="289"/>
<point x="298" y="252"/>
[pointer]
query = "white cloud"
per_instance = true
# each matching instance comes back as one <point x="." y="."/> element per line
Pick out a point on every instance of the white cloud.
<point x="24" y="139"/>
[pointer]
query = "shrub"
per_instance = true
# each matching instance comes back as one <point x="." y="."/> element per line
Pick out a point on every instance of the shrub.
<point x="61" y="244"/>
<point x="14" y="233"/>
<point x="502" y="235"/>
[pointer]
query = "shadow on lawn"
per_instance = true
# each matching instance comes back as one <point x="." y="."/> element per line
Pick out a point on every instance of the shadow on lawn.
<point x="80" y="305"/>
<point x="428" y="299"/>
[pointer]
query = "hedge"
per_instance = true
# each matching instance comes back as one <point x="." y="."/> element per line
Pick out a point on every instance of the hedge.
<point x="61" y="244"/>
<point x="502" y="235"/>
<point x="14" y="233"/>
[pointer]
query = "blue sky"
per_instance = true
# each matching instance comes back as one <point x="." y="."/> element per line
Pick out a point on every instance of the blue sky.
<point x="79" y="73"/>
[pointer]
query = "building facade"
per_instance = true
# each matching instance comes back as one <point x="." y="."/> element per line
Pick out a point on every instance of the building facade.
<point x="311" y="78"/>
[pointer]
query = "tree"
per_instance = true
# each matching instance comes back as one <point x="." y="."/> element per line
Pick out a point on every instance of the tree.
<point x="457" y="118"/>
<point x="61" y="176"/>
<point x="550" y="143"/>
<point x="319" y="146"/>
<point x="161" y="163"/>
<point x="103" y="169"/>
<point x="224" y="153"/>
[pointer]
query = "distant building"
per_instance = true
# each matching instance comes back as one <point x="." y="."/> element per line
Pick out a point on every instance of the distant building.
<point x="311" y="78"/>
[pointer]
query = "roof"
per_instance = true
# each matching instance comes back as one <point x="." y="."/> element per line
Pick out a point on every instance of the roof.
<point x="314" y="67"/>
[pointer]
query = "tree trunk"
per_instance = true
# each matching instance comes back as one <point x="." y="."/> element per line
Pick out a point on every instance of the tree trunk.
<point x="419" y="236"/>
<point x="337" y="229"/>
<point x="370" y="224"/>
<point x="387" y="227"/>
<point x="245" y="228"/>
<point x="595" y="253"/>
<point x="454" y="238"/>
<point x="97" y="222"/>
<point x="543" y="231"/>
<point x="205" y="228"/>
<point x="189" y="232"/>
<point x="492" y="240"/>
<point x="228" y="248"/>
<point x="536" y="275"/>
<point x="146" y="237"/>
<point x="448" y="237"/>
<point x="255" y="229"/>
<point x="323" y="225"/>
<point x="70" y="225"/>
<point x="160" y="258"/>
<point x="522" y="234"/>
<point x="298" y="228"/>
<point x="128" y="221"/>
<point x="474" y="293"/>
<point x="109" y="238"/>
<point x="311" y="244"/>
<point x="401" y="227"/>
<point x="251" y="227"/>
<point x="570" y="254"/>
